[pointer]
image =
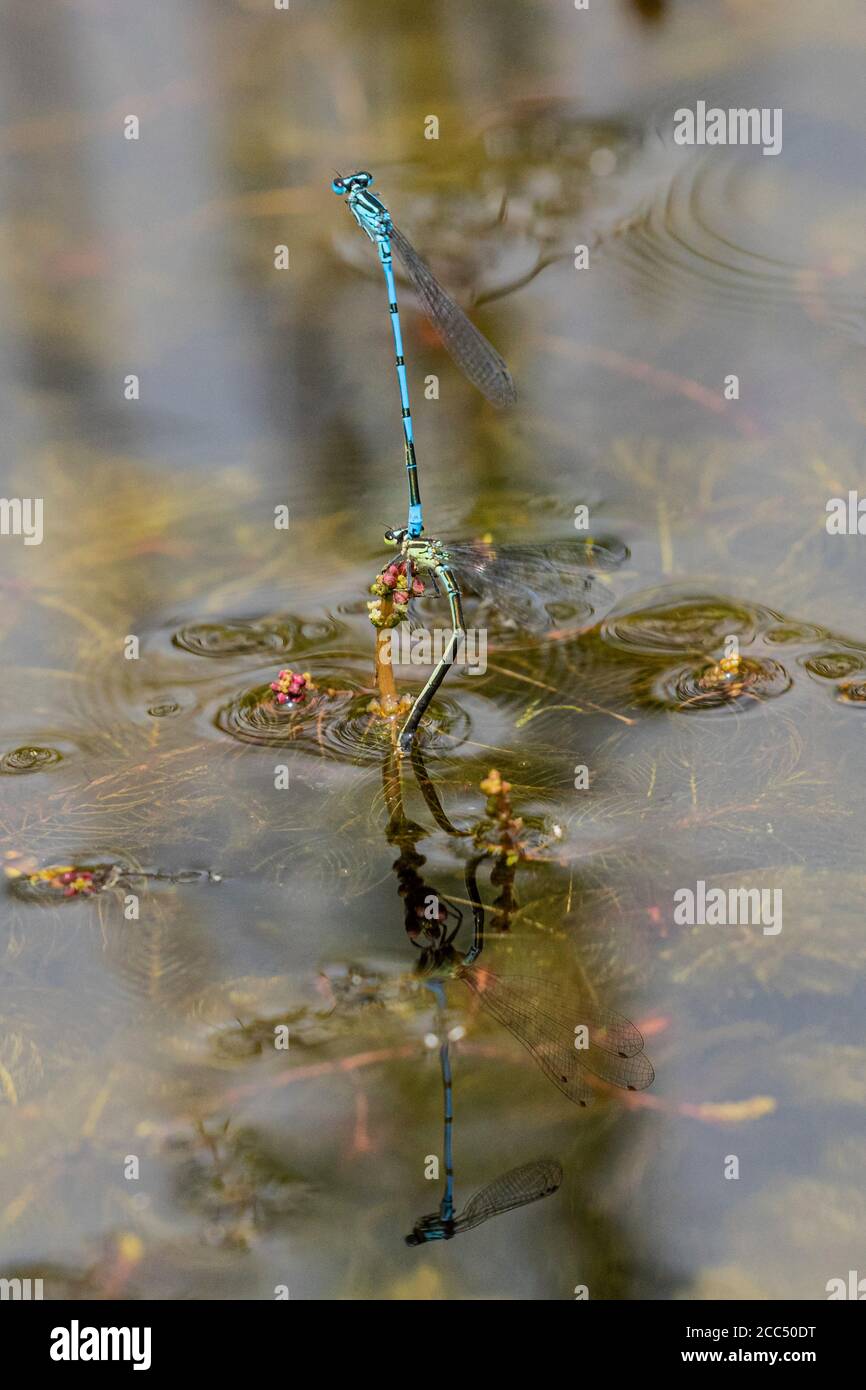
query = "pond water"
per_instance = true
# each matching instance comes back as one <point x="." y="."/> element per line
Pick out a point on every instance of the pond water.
<point x="219" y="875"/>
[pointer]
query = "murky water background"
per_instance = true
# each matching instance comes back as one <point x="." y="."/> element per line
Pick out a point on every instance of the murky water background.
<point x="258" y="906"/>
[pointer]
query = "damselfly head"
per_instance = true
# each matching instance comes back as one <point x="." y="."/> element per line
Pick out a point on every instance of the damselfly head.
<point x="352" y="181"/>
<point x="430" y="1228"/>
<point x="395" y="535"/>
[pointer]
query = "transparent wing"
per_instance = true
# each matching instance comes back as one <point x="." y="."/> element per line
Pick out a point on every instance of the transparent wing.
<point x="544" y="1023"/>
<point x="605" y="1029"/>
<point x="529" y="1183"/>
<point x="557" y="562"/>
<point x="523" y="580"/>
<point x="477" y="358"/>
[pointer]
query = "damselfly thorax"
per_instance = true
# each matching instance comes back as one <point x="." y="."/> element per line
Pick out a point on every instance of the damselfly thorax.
<point x="424" y="553"/>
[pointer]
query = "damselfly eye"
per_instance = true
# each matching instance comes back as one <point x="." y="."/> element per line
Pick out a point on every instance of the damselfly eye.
<point x="337" y="186"/>
<point x="364" y="178"/>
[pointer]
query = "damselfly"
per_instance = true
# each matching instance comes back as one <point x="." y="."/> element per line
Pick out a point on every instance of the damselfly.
<point x="528" y="1183"/>
<point x="521" y="582"/>
<point x="470" y="349"/>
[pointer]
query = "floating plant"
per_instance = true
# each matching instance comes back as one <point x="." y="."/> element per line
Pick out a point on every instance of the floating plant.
<point x="731" y="680"/>
<point x="59" y="881"/>
<point x="290" y="687"/>
<point x="834" y="666"/>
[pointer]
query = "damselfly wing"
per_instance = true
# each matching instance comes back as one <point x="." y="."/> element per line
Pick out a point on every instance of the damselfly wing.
<point x="474" y="355"/>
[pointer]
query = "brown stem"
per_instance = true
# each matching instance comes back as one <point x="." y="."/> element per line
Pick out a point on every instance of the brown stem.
<point x="384" y="669"/>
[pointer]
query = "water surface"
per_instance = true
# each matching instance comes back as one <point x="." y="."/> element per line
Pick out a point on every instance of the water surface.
<point x="262" y="907"/>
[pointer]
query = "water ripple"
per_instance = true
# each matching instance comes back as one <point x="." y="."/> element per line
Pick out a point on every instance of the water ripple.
<point x="335" y="720"/>
<point x="691" y="623"/>
<point x="729" y="232"/>
<point x="246" y="638"/>
<point x="720" y="684"/>
<point x="30" y="758"/>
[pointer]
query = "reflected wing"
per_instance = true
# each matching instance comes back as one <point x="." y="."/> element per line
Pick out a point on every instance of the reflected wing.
<point x="528" y="1183"/>
<point x="544" y="1022"/>
<point x="606" y="1030"/>
<point x="477" y="358"/>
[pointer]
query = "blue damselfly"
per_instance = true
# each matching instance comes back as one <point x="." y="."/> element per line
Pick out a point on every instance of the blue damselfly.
<point x="470" y="349"/>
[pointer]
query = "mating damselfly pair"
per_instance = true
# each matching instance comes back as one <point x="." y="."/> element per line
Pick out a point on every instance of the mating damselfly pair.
<point x="511" y="577"/>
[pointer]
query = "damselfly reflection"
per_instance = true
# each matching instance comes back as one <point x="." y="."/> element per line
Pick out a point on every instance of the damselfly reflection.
<point x="579" y="1045"/>
<point x="517" y="1188"/>
<point x="576" y="1043"/>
